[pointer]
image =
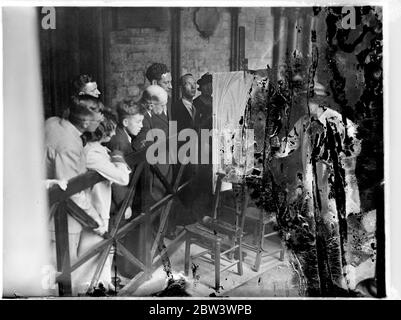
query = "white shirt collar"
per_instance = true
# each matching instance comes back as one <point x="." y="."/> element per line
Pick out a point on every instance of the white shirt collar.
<point x="189" y="105"/>
<point x="129" y="137"/>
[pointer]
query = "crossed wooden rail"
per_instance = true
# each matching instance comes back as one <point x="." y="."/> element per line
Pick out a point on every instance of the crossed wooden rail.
<point x="64" y="206"/>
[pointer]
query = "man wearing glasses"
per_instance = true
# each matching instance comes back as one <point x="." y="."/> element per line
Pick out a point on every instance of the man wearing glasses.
<point x="64" y="157"/>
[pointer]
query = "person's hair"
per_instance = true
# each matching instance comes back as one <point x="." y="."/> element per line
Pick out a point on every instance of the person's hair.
<point x="155" y="71"/>
<point x="149" y="96"/>
<point x="127" y="108"/>
<point x="83" y="106"/>
<point x="182" y="78"/>
<point x="80" y="81"/>
<point x="107" y="126"/>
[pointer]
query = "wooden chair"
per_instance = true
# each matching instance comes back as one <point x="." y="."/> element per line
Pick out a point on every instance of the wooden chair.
<point x="262" y="219"/>
<point x="213" y="234"/>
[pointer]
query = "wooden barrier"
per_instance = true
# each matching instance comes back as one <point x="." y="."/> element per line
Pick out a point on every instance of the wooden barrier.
<point x="62" y="206"/>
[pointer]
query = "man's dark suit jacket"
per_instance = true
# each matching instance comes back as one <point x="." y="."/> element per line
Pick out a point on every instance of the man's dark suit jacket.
<point x="133" y="240"/>
<point x="156" y="189"/>
<point x="119" y="142"/>
<point x="181" y="114"/>
<point x="139" y="141"/>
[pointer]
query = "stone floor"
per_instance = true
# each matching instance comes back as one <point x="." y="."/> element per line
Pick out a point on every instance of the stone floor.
<point x="275" y="278"/>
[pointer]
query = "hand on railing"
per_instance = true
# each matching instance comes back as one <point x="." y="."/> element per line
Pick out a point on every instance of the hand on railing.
<point x="102" y="229"/>
<point x="52" y="182"/>
<point x="128" y="213"/>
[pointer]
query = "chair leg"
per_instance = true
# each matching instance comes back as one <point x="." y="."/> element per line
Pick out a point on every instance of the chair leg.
<point x="217" y="265"/>
<point x="187" y="255"/>
<point x="256" y="233"/>
<point x="262" y="236"/>
<point x="230" y="255"/>
<point x="213" y="252"/>
<point x="240" y="267"/>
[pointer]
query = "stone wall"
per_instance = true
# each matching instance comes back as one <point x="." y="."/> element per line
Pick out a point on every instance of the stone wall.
<point x="200" y="55"/>
<point x="133" y="50"/>
<point x="258" y="23"/>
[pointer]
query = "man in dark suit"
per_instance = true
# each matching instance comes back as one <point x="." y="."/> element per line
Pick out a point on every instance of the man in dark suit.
<point x="156" y="129"/>
<point x="184" y="113"/>
<point x="130" y="123"/>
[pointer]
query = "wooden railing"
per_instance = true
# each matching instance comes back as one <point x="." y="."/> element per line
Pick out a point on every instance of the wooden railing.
<point x="63" y="206"/>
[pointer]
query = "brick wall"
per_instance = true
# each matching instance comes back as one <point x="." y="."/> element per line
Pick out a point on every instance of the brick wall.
<point x="133" y="50"/>
<point x="200" y="55"/>
<point x="258" y="23"/>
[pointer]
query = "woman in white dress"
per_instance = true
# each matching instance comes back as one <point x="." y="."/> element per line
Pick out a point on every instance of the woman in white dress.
<point x="113" y="167"/>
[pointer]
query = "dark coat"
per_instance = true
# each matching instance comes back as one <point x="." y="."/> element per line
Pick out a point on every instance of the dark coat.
<point x="139" y="141"/>
<point x="184" y="120"/>
<point x="119" y="142"/>
<point x="180" y="114"/>
<point x="133" y="239"/>
<point x="154" y="188"/>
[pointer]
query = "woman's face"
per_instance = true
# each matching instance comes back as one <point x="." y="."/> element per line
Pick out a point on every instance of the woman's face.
<point x="91" y="89"/>
<point x="109" y="136"/>
<point x="94" y="121"/>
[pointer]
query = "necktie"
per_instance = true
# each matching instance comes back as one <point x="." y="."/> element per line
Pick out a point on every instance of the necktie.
<point x="192" y="111"/>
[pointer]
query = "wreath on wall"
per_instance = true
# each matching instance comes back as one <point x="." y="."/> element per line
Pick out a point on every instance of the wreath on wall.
<point x="206" y="21"/>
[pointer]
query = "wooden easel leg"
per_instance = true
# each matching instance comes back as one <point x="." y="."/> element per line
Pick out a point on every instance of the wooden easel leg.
<point x="240" y="267"/>
<point x="259" y="247"/>
<point x="187" y="255"/>
<point x="217" y="266"/>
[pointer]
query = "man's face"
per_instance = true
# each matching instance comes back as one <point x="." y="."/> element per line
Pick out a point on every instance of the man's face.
<point x="160" y="104"/>
<point x="91" y="89"/>
<point x="158" y="108"/>
<point x="133" y="124"/>
<point x="94" y="121"/>
<point x="188" y="87"/>
<point x="165" y="82"/>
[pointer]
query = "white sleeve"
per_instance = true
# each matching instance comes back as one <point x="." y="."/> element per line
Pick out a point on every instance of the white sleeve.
<point x="116" y="172"/>
<point x="66" y="168"/>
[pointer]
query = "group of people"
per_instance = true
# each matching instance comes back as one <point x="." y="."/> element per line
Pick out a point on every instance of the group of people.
<point x="91" y="137"/>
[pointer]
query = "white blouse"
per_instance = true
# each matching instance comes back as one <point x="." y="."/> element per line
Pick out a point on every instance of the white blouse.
<point x="98" y="159"/>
